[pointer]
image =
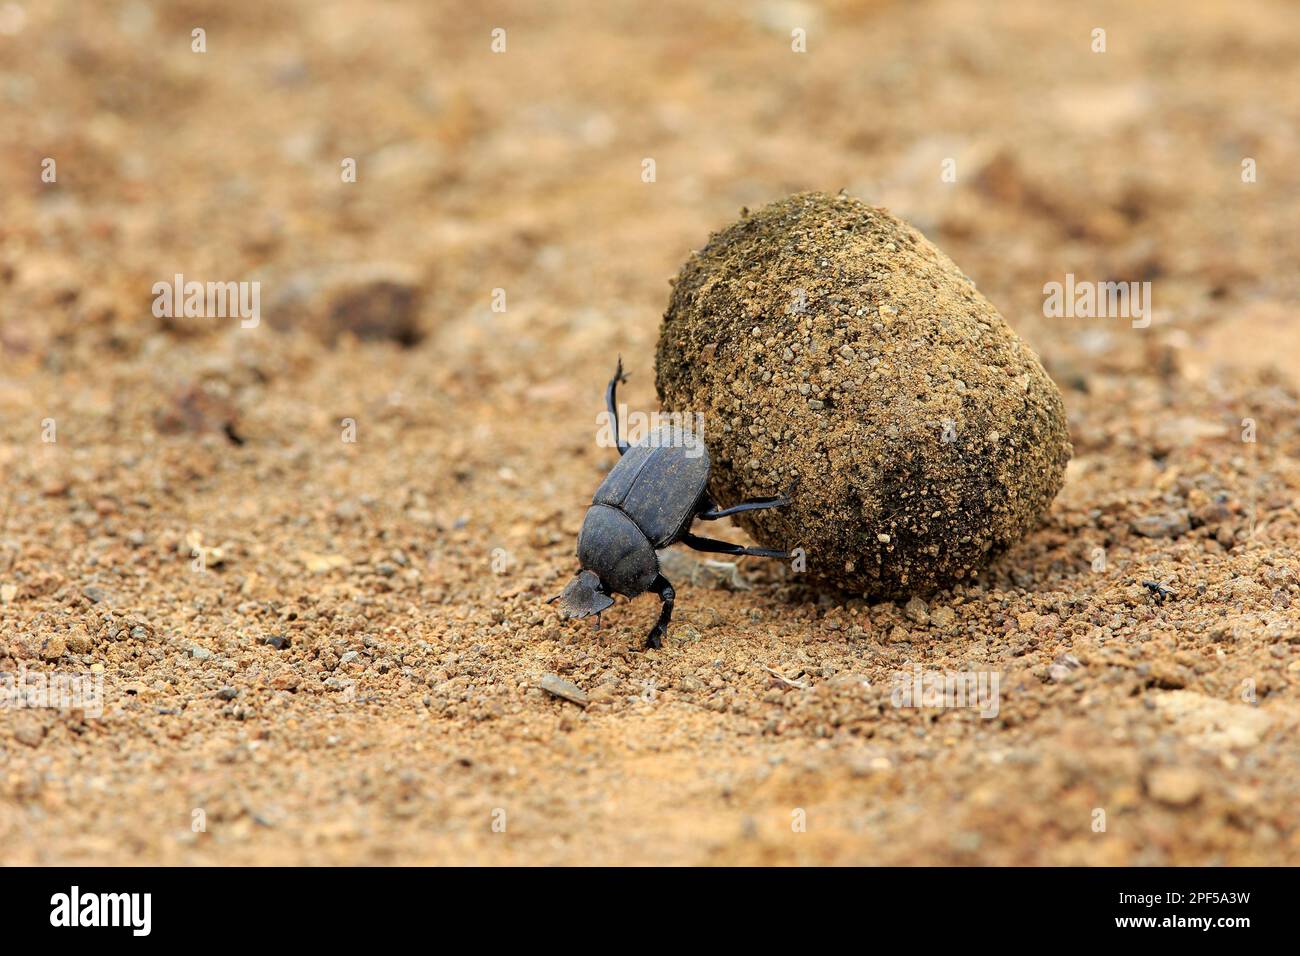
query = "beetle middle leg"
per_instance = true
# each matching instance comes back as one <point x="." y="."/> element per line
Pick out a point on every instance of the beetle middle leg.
<point x="612" y="404"/>
<point x="666" y="594"/>
<point x="711" y="511"/>
<point x="726" y="547"/>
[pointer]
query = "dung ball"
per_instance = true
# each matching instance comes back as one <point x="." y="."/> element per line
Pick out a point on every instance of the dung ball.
<point x="834" y="350"/>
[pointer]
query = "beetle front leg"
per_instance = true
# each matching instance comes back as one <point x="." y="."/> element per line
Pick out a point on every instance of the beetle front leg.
<point x="666" y="594"/>
<point x="611" y="403"/>
<point x="712" y="512"/>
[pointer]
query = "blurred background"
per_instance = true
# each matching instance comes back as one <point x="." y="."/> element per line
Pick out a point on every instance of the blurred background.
<point x="522" y="169"/>
<point x="449" y="211"/>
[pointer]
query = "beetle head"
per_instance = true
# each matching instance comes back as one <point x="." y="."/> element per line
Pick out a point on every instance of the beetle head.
<point x="584" y="596"/>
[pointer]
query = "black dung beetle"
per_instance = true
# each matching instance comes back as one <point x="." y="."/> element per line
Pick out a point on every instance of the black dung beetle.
<point x="647" y="502"/>
<point x="1159" y="592"/>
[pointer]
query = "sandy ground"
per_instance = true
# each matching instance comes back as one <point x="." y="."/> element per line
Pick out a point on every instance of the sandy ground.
<point x="323" y="650"/>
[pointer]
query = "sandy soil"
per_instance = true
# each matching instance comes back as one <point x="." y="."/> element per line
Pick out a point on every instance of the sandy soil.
<point x="327" y="651"/>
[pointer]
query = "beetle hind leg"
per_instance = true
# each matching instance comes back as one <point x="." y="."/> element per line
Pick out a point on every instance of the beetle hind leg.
<point x="714" y="546"/>
<point x="661" y="585"/>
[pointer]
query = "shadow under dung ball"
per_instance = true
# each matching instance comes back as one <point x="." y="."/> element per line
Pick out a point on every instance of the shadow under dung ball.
<point x="832" y="347"/>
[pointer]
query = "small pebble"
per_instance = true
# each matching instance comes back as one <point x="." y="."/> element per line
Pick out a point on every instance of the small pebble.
<point x="917" y="610"/>
<point x="1175" y="786"/>
<point x="54" y="647"/>
<point x="560" y="687"/>
<point x="29" y="732"/>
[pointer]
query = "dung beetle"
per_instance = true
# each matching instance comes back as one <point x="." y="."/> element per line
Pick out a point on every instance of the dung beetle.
<point x="1159" y="592"/>
<point x="647" y="502"/>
